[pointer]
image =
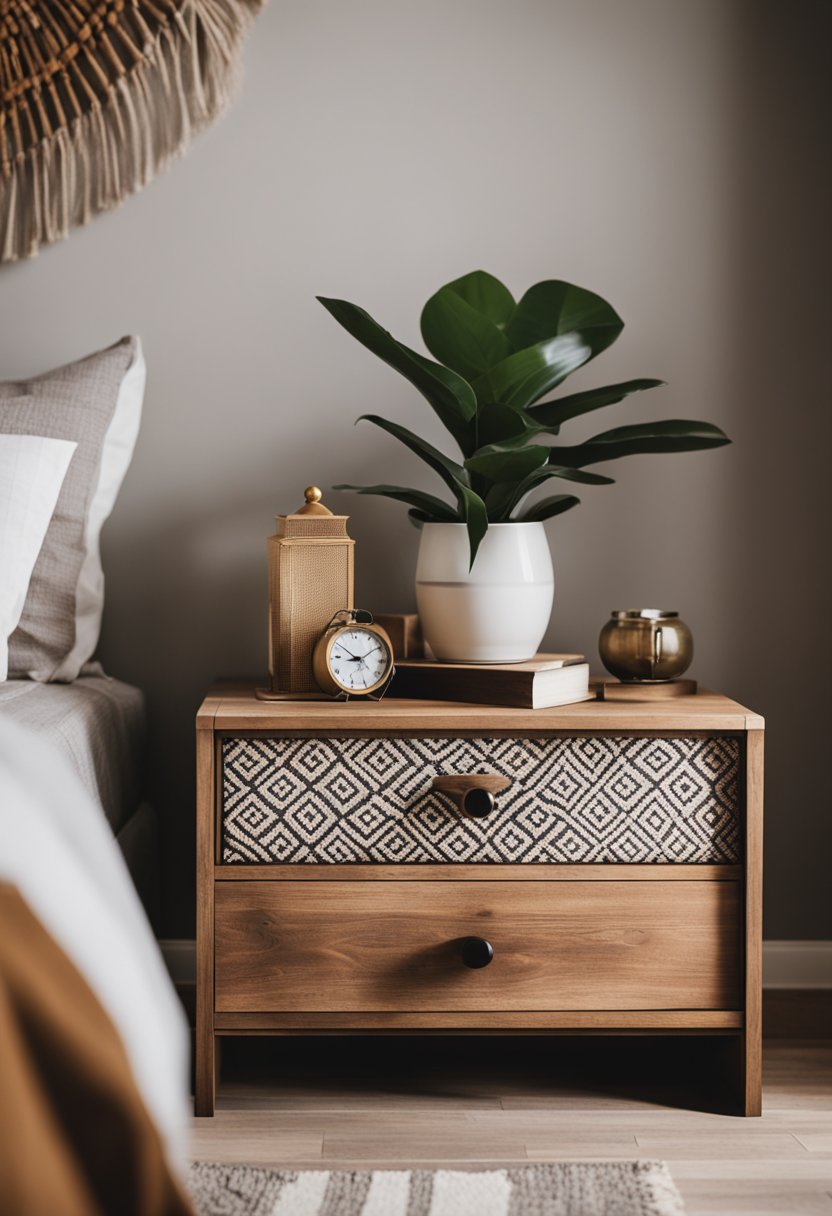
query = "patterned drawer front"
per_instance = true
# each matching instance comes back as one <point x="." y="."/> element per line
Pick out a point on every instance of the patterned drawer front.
<point x="571" y="800"/>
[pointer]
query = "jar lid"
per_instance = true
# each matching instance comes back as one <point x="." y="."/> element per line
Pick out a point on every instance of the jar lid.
<point x="313" y="504"/>
<point x="644" y="614"/>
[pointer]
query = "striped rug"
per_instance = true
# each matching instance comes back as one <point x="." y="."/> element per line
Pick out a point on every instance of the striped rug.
<point x="603" y="1188"/>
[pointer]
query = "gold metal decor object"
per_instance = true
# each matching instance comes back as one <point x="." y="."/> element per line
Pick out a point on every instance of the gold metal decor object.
<point x="310" y="579"/>
<point x="646" y="645"/>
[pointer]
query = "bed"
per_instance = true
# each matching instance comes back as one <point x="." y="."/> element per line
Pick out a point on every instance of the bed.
<point x="98" y="724"/>
<point x="94" y="1047"/>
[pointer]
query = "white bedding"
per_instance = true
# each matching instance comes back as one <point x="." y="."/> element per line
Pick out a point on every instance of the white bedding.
<point x="97" y="723"/>
<point x="58" y="851"/>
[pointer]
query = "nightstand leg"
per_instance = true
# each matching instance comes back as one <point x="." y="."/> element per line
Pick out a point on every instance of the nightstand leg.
<point x="205" y="1084"/>
<point x="751" y="1069"/>
<point x="207" y="1061"/>
<point x="752" y="1044"/>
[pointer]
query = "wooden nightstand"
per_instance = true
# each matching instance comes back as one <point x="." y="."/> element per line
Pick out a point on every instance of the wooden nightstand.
<point x="613" y="886"/>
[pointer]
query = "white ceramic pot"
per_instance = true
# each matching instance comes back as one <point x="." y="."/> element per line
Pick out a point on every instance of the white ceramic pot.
<point x="496" y="613"/>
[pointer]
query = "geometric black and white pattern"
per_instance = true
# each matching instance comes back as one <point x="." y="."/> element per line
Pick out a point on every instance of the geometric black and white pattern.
<point x="581" y="799"/>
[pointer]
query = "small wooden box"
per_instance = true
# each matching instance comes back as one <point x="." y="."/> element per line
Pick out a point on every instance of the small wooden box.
<point x="404" y="630"/>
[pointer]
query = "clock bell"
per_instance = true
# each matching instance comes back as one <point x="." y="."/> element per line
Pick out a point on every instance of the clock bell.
<point x="310" y="579"/>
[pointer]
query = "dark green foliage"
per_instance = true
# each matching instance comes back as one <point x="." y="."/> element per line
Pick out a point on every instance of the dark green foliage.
<point x="497" y="359"/>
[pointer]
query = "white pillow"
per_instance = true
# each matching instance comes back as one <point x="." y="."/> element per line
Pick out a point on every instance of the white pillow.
<point x="32" y="471"/>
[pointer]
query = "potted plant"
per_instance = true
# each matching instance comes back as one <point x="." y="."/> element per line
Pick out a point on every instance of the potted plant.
<point x="484" y="581"/>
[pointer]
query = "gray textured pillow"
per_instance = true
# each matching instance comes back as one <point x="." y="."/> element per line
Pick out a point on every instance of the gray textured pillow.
<point x="97" y="403"/>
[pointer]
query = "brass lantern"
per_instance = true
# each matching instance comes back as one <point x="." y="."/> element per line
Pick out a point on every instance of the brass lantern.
<point x="310" y="579"/>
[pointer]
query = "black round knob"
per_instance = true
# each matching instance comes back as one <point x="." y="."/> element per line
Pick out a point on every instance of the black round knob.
<point x="476" y="952"/>
<point x="477" y="802"/>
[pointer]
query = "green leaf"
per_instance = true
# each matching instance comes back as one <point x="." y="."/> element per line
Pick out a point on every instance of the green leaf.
<point x="501" y="424"/>
<point x="459" y="389"/>
<point x="433" y="508"/>
<point x="453" y="474"/>
<point x="471" y="506"/>
<point x="476" y="520"/>
<point x="553" y="307"/>
<point x="547" y="507"/>
<point x="528" y="374"/>
<point x="551" y="414"/>
<point x="586" y="479"/>
<point x="505" y="496"/>
<point x="460" y="336"/>
<point x="674" y="435"/>
<point x="451" y="396"/>
<point x="499" y="464"/>
<point x="486" y="295"/>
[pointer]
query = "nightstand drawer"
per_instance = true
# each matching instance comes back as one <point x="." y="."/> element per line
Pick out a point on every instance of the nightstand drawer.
<point x="557" y="945"/>
<point x="581" y="799"/>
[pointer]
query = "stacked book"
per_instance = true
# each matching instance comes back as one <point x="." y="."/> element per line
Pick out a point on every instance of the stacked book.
<point x="540" y="683"/>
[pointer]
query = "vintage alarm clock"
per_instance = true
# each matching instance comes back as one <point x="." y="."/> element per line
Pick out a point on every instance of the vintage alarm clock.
<point x="353" y="657"/>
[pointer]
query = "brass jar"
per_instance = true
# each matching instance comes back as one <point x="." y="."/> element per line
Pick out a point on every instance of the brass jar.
<point x="646" y="645"/>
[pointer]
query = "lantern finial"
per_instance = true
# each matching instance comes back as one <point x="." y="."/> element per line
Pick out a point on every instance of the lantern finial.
<point x="313" y="504"/>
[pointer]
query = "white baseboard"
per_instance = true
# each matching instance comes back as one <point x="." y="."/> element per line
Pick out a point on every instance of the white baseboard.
<point x="797" y="964"/>
<point x="179" y="954"/>
<point x="785" y="964"/>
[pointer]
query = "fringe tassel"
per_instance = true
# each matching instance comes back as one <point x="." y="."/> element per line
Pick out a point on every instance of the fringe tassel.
<point x="186" y="77"/>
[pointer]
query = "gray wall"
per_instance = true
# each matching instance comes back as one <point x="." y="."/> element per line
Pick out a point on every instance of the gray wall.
<point x="669" y="155"/>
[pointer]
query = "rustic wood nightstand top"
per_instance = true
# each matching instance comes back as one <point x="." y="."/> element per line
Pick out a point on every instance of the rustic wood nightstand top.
<point x="232" y="705"/>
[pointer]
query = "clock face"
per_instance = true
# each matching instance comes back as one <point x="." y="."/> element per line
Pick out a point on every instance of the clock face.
<point x="358" y="659"/>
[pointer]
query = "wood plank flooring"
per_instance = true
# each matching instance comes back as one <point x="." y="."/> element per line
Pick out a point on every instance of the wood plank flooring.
<point x="478" y="1102"/>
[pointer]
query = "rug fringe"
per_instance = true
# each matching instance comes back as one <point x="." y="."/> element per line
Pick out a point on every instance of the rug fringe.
<point x="188" y="73"/>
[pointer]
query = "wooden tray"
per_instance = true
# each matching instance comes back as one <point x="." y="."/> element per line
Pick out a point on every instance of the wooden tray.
<point x="669" y="690"/>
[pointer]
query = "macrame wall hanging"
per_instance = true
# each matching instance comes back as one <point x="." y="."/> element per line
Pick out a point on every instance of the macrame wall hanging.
<point x="96" y="96"/>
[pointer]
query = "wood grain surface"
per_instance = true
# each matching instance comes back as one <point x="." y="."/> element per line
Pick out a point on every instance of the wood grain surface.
<point x="480" y="1104"/>
<point x="570" y="1022"/>
<point x="235" y="707"/>
<point x="292" y="947"/>
<point x="751" y="1063"/>
<point x="358" y="871"/>
<point x="205" y="1041"/>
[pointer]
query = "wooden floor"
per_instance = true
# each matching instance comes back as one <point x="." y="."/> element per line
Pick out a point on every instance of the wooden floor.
<point x="479" y="1102"/>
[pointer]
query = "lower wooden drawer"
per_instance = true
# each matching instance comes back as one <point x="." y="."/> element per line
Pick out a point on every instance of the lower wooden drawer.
<point x="378" y="946"/>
